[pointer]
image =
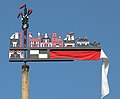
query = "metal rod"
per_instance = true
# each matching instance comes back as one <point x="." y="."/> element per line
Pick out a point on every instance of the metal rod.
<point x="58" y="48"/>
<point x="25" y="38"/>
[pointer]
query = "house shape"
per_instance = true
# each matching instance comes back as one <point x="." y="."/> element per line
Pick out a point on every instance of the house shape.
<point x="34" y="42"/>
<point x="83" y="42"/>
<point x="15" y="41"/>
<point x="46" y="40"/>
<point x="69" y="41"/>
<point x="56" y="42"/>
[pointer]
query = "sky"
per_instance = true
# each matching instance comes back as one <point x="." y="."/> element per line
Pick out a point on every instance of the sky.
<point x="96" y="19"/>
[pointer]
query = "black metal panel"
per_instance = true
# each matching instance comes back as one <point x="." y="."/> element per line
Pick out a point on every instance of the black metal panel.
<point x="41" y="60"/>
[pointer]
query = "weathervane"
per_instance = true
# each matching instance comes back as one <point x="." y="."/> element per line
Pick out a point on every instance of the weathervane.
<point x="46" y="48"/>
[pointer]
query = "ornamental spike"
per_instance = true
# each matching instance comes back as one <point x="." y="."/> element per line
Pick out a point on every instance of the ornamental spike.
<point x="22" y="6"/>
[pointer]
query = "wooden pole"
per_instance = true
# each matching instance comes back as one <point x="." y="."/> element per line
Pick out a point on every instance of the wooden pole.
<point x="25" y="81"/>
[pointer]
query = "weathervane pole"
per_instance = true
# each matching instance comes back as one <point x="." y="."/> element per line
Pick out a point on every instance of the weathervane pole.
<point x="25" y="68"/>
<point x="25" y="81"/>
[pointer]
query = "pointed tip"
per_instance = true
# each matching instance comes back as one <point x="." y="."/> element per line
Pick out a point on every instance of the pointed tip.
<point x="22" y="6"/>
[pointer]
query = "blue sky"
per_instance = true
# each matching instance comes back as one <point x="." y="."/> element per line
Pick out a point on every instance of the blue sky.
<point x="97" y="19"/>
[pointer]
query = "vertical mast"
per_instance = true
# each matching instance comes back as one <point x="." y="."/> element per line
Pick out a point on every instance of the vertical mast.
<point x="25" y="81"/>
<point x="25" y="68"/>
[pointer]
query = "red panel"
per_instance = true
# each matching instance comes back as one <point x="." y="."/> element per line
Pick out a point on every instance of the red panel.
<point x="78" y="55"/>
